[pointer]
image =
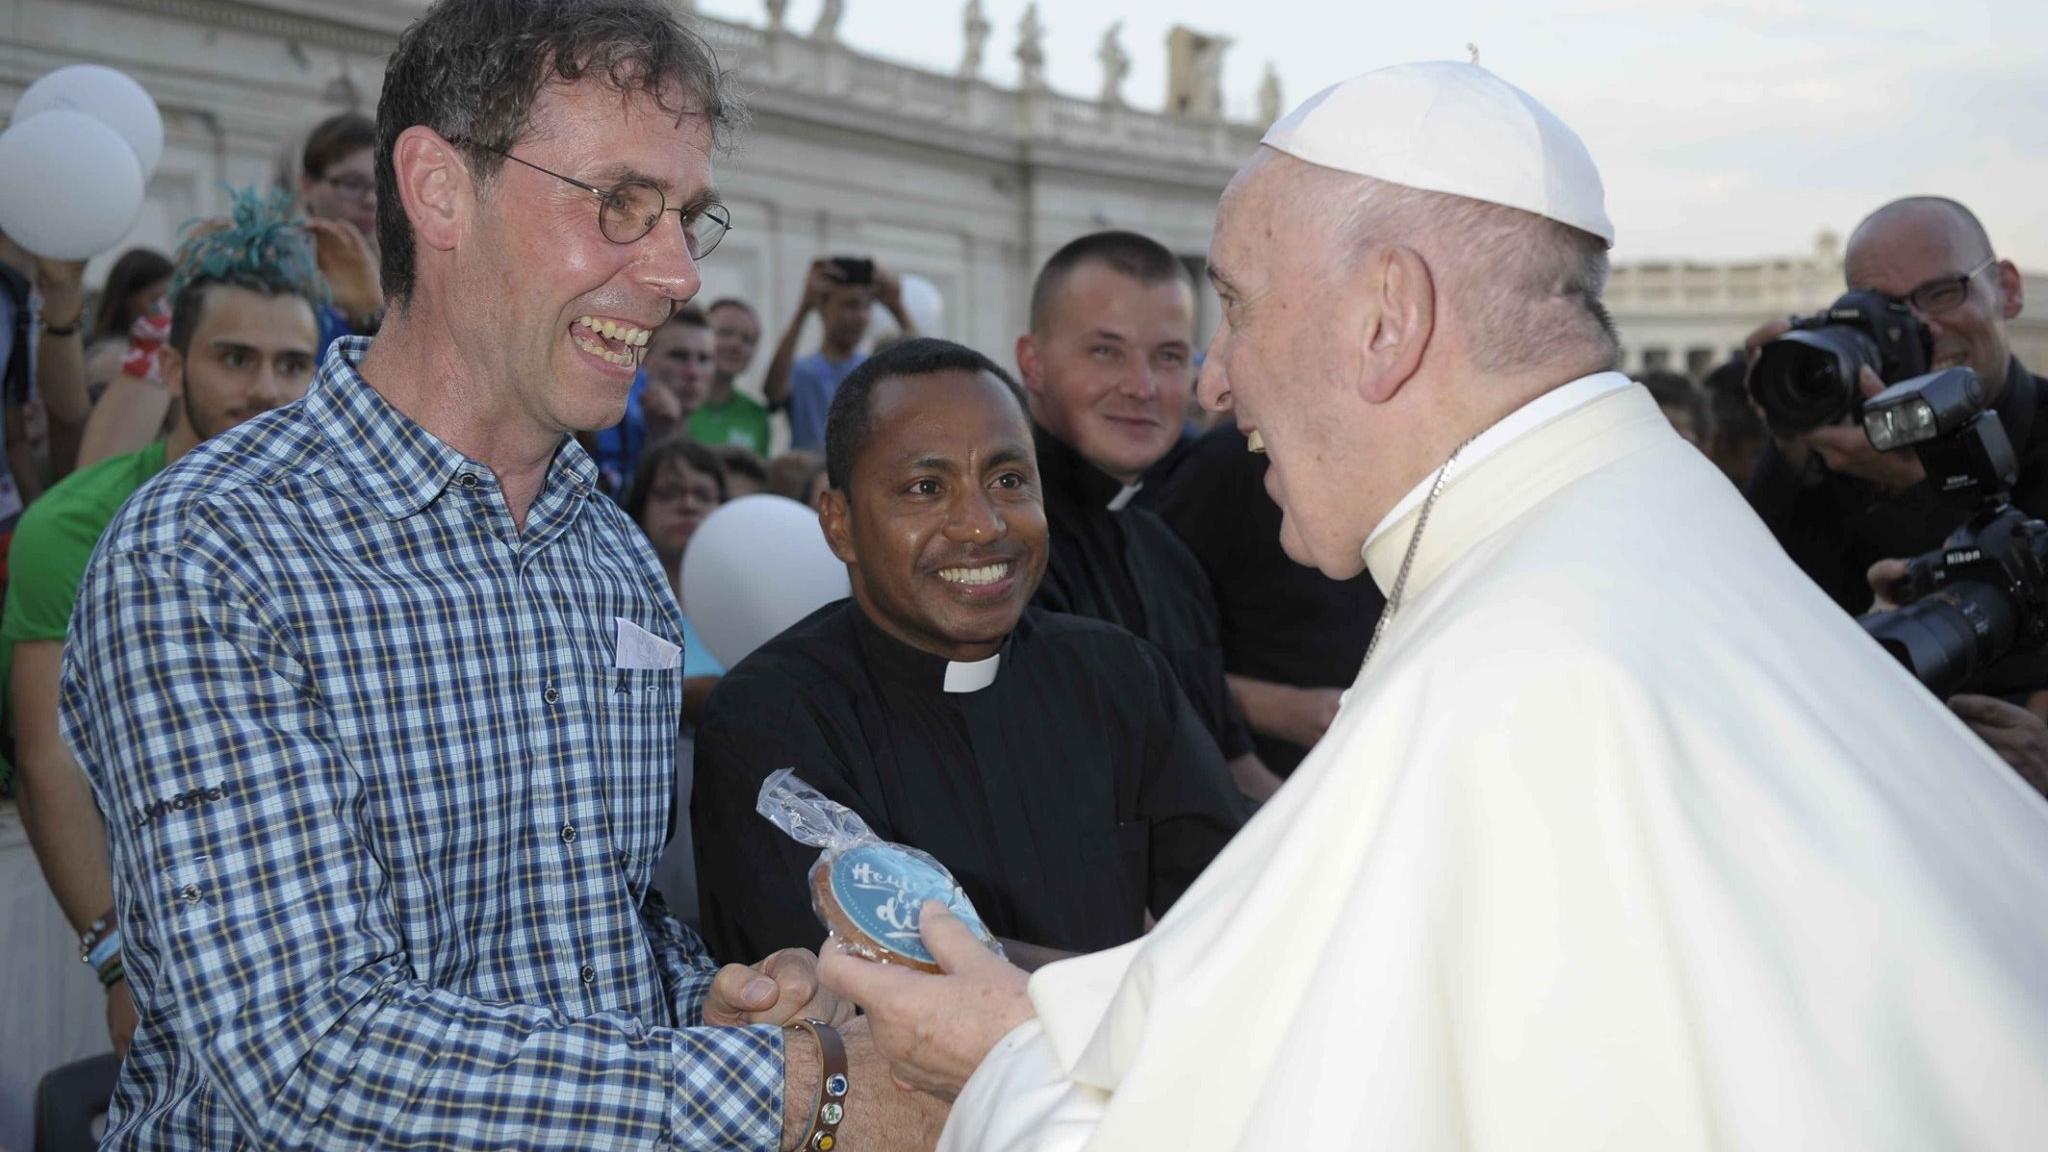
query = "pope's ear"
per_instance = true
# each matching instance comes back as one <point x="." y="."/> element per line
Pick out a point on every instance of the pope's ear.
<point x="832" y="513"/>
<point x="1396" y="318"/>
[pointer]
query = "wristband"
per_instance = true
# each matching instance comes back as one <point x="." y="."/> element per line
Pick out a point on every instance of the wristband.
<point x="93" y="934"/>
<point x="70" y="329"/>
<point x="107" y="948"/>
<point x="829" y="1107"/>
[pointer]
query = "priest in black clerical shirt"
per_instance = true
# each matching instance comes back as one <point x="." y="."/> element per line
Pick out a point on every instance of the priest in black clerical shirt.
<point x="1292" y="637"/>
<point x="1051" y="762"/>
<point x="1108" y="366"/>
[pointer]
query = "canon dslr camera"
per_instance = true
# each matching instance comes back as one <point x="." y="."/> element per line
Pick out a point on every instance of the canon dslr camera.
<point x="1806" y="379"/>
<point x="1983" y="595"/>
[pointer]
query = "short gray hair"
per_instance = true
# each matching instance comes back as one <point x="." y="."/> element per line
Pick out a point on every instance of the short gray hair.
<point x="1526" y="288"/>
<point x="472" y="69"/>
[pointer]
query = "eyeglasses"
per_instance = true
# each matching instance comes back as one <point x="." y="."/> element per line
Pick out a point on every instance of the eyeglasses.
<point x="354" y="187"/>
<point x="1947" y="292"/>
<point x="630" y="209"/>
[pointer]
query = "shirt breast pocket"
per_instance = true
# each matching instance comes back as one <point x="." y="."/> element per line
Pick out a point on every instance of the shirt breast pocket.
<point x="641" y="713"/>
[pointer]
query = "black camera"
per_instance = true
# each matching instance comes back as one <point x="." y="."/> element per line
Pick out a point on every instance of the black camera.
<point x="1806" y="379"/>
<point x="853" y="270"/>
<point x="1983" y="595"/>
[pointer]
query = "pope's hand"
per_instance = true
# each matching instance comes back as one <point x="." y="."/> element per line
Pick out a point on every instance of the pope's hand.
<point x="782" y="988"/>
<point x="935" y="1029"/>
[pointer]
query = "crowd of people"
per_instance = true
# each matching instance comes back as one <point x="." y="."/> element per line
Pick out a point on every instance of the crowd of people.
<point x="345" y="659"/>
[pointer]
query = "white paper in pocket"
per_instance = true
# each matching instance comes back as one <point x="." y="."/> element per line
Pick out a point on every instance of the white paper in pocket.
<point x="638" y="648"/>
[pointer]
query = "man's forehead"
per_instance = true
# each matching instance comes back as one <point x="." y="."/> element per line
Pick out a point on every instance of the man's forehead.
<point x="1252" y="209"/>
<point x="236" y="315"/>
<point x="920" y="412"/>
<point x="1911" y="238"/>
<point x="662" y="141"/>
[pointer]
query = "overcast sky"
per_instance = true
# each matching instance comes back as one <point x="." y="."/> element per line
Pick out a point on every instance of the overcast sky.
<point x="1723" y="128"/>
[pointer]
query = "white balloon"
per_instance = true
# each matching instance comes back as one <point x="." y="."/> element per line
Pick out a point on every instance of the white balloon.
<point x="108" y="96"/>
<point x="69" y="185"/>
<point x="927" y="308"/>
<point x="754" y="567"/>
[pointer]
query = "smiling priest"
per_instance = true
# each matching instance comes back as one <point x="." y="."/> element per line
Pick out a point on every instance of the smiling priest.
<point x="1049" y="761"/>
<point x="1624" y="838"/>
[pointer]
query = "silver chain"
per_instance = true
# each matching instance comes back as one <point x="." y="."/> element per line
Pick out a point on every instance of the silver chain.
<point x="1408" y="560"/>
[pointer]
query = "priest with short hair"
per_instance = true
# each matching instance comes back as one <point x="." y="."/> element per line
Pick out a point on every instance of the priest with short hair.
<point x="1049" y="761"/>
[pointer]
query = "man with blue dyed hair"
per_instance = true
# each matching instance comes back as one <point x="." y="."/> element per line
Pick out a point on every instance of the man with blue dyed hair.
<point x="243" y="337"/>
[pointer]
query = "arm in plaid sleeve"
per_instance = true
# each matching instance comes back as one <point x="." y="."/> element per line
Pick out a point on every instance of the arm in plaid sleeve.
<point x="260" y="935"/>
<point x="686" y="967"/>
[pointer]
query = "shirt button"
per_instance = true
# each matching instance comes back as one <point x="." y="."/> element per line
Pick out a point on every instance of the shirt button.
<point x="189" y="893"/>
<point x="467" y="479"/>
<point x="551" y="696"/>
<point x="568" y="833"/>
<point x="588" y="974"/>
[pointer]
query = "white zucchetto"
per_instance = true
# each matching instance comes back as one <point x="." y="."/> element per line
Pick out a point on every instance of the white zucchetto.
<point x="1444" y="126"/>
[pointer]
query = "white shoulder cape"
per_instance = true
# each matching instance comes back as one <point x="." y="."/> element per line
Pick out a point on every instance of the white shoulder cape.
<point x="1628" y="839"/>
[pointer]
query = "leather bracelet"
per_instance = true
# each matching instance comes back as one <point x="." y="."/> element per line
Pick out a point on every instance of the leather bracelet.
<point x="70" y="329"/>
<point x="829" y="1107"/>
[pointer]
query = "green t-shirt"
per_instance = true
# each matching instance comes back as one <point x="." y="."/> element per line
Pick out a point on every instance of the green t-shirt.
<point x="737" y="421"/>
<point x="51" y="546"/>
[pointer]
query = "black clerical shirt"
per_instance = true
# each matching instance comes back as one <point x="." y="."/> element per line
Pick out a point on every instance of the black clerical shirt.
<point x="1119" y="563"/>
<point x="1069" y="795"/>
<point x="1283" y="622"/>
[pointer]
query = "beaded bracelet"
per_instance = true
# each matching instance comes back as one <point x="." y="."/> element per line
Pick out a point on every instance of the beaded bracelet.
<point x="93" y="933"/>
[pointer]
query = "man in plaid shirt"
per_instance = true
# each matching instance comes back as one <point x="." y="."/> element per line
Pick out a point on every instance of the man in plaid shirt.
<point x="380" y="697"/>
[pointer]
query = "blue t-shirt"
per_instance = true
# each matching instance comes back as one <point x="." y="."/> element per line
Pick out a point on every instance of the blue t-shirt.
<point x="697" y="659"/>
<point x="618" y="447"/>
<point x="812" y="382"/>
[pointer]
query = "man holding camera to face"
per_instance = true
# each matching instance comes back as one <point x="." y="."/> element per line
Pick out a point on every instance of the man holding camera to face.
<point x="842" y="291"/>
<point x="1839" y="505"/>
<point x="1928" y="301"/>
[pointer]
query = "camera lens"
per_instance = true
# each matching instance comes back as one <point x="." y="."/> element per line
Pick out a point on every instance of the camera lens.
<point x="1806" y="379"/>
<point x="1947" y="638"/>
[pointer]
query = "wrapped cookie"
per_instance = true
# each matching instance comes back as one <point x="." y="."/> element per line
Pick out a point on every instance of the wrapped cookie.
<point x="866" y="890"/>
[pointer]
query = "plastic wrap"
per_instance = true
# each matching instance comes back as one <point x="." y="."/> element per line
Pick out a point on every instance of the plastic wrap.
<point x="866" y="890"/>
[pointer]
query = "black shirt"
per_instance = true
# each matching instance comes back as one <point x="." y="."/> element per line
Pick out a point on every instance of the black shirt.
<point x="1126" y="567"/>
<point x="1835" y="527"/>
<point x="1069" y="796"/>
<point x="1282" y="622"/>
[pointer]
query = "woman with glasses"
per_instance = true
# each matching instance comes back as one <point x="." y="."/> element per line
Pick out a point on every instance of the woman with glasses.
<point x="677" y="483"/>
<point x="338" y="185"/>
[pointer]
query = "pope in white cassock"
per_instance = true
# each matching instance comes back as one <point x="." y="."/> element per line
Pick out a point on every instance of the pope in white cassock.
<point x="1625" y="838"/>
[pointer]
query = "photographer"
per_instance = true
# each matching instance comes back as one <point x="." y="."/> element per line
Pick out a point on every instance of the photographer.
<point x="842" y="290"/>
<point x="1837" y="504"/>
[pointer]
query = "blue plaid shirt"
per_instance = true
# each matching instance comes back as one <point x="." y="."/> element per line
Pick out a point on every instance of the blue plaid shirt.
<point x="382" y="809"/>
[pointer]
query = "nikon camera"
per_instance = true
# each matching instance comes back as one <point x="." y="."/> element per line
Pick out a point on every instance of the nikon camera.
<point x="1983" y="595"/>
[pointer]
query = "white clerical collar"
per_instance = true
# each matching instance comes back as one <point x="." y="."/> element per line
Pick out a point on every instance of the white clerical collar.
<point x="1522" y="421"/>
<point x="1123" y="496"/>
<point x="972" y="676"/>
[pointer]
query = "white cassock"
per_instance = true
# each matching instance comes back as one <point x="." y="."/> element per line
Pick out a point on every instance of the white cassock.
<point x="1626" y="839"/>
